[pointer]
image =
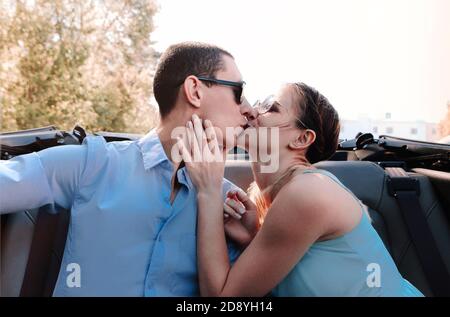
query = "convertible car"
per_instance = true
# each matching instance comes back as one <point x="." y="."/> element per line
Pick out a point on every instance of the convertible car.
<point x="404" y="183"/>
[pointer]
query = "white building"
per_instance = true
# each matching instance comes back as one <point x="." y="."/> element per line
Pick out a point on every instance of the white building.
<point x="416" y="130"/>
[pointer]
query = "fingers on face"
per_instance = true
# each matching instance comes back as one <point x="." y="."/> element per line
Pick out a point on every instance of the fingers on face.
<point x="185" y="154"/>
<point x="194" y="146"/>
<point x="211" y="137"/>
<point x="200" y="141"/>
<point x="203" y="136"/>
<point x="199" y="131"/>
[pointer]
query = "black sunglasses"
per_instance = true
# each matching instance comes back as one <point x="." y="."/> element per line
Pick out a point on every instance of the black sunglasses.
<point x="238" y="86"/>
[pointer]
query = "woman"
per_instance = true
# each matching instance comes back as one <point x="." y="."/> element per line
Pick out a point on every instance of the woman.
<point x="316" y="239"/>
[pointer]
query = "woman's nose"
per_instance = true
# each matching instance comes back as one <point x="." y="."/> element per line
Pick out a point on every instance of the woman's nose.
<point x="248" y="111"/>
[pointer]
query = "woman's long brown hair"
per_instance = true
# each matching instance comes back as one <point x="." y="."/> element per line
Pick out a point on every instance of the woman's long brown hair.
<point x="319" y="115"/>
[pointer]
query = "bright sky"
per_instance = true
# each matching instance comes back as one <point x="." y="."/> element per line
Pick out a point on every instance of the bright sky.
<point x="367" y="57"/>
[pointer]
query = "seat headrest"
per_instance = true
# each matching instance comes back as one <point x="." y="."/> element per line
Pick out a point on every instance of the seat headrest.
<point x="365" y="179"/>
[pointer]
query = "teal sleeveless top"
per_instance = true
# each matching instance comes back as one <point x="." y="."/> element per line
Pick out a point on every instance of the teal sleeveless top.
<point x="354" y="264"/>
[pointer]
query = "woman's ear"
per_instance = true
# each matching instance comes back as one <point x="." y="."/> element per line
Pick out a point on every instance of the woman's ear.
<point x="192" y="89"/>
<point x="303" y="140"/>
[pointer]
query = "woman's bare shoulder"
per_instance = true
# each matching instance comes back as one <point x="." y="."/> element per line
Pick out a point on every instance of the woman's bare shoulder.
<point x="305" y="197"/>
<point x="309" y="188"/>
<point x="326" y="201"/>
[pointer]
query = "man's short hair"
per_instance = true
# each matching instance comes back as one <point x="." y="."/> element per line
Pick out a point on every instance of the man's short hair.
<point x="180" y="61"/>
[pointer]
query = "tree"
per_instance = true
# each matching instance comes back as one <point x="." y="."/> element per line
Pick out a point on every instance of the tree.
<point x="89" y="62"/>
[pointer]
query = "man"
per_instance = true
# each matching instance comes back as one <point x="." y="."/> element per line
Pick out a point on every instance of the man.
<point x="125" y="234"/>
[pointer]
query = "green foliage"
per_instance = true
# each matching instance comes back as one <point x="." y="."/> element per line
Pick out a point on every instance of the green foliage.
<point x="65" y="62"/>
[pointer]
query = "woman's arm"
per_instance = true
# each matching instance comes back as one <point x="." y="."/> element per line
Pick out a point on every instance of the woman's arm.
<point x="212" y="255"/>
<point x="286" y="235"/>
<point x="296" y="219"/>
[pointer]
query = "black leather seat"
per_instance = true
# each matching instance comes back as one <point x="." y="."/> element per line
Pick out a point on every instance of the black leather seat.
<point x="368" y="181"/>
<point x="16" y="238"/>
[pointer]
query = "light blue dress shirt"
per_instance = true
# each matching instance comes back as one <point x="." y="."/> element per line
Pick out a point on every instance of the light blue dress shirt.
<point x="124" y="234"/>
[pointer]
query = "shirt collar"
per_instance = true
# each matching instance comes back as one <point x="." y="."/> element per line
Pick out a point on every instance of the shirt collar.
<point x="152" y="150"/>
<point x="153" y="154"/>
<point x="183" y="177"/>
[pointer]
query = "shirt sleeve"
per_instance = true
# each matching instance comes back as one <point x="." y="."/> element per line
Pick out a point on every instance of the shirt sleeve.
<point x="48" y="178"/>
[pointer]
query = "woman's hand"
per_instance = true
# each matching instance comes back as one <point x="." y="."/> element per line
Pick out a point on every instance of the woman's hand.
<point x="203" y="157"/>
<point x="241" y="217"/>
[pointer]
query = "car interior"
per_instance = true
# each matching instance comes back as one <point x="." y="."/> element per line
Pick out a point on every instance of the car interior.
<point x="32" y="241"/>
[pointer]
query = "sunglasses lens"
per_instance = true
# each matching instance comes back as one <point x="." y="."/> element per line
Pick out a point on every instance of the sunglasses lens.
<point x="238" y="96"/>
<point x="265" y="105"/>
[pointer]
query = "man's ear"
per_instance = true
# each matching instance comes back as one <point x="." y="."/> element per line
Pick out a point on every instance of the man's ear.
<point x="303" y="140"/>
<point x="192" y="88"/>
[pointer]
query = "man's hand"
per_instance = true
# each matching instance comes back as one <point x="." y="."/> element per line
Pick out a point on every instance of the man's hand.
<point x="241" y="218"/>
